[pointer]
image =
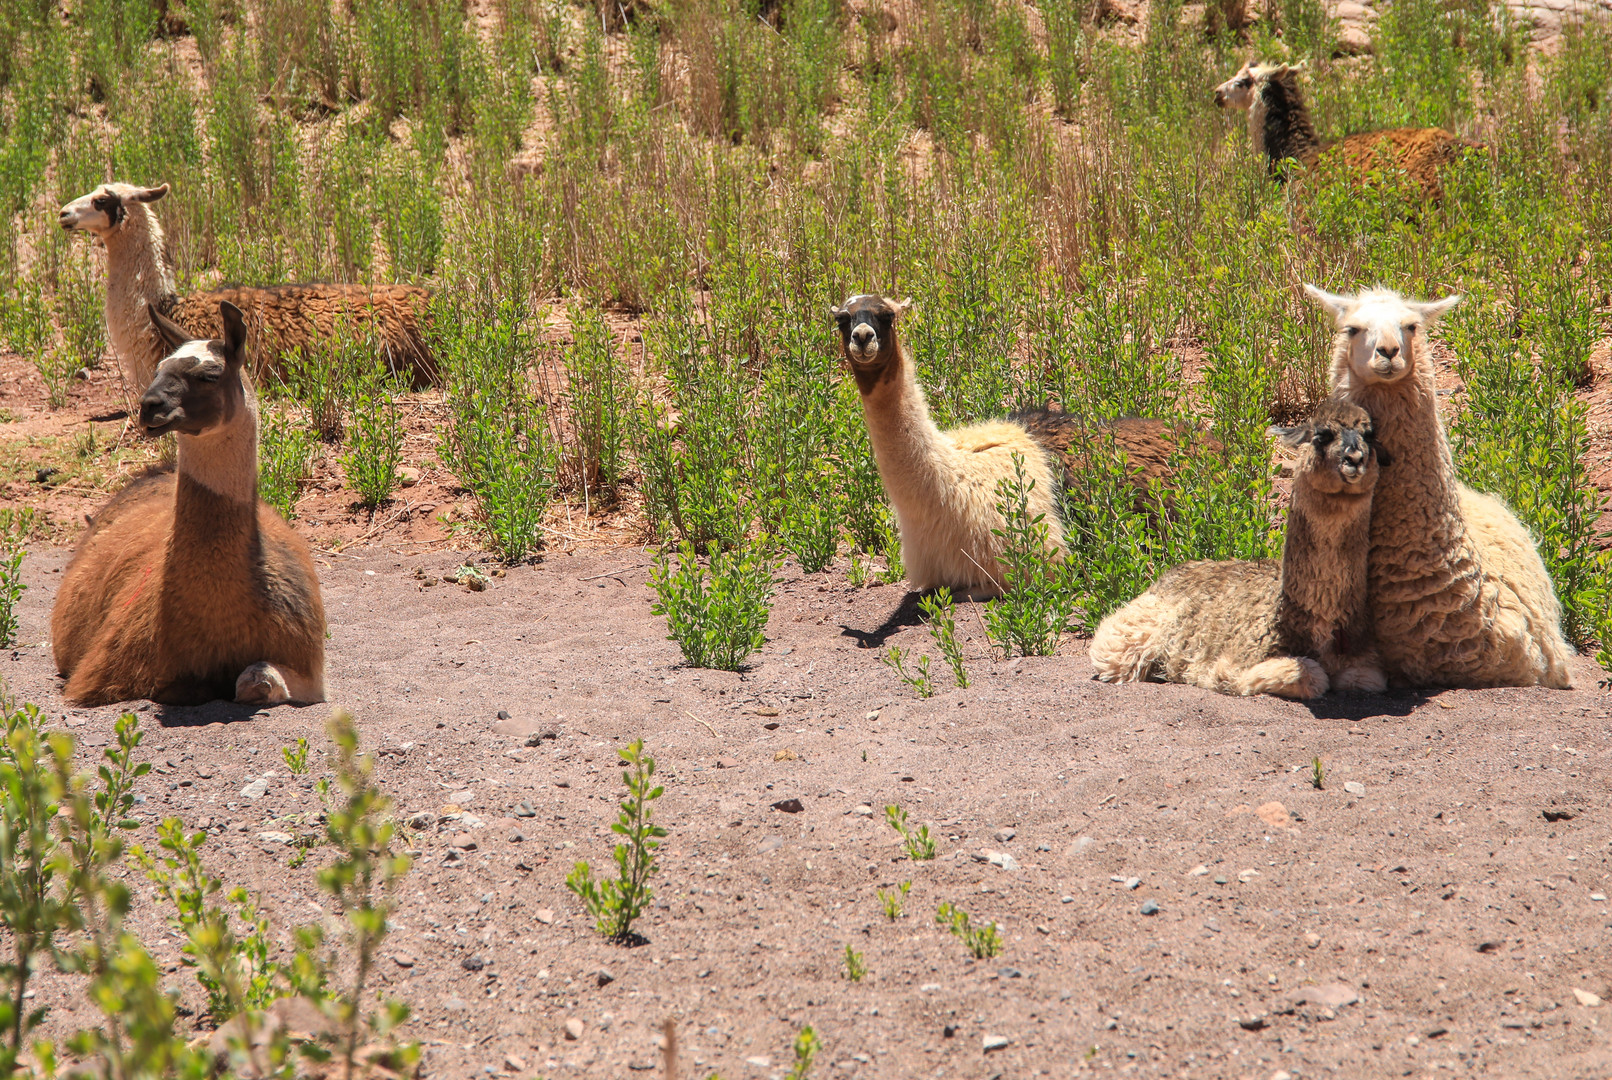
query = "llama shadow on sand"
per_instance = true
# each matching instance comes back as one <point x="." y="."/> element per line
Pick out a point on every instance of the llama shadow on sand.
<point x="1393" y="703"/>
<point x="214" y="712"/>
<point x="906" y="614"/>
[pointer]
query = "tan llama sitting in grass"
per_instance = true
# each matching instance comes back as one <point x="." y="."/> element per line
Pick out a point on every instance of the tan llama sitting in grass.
<point x="943" y="484"/>
<point x="186" y="587"/>
<point x="279" y="317"/>
<point x="1459" y="595"/>
<point x="1279" y="127"/>
<point x="1293" y="628"/>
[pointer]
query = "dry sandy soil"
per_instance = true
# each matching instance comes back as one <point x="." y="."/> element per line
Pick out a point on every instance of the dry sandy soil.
<point x="1437" y="908"/>
<point x="1419" y="915"/>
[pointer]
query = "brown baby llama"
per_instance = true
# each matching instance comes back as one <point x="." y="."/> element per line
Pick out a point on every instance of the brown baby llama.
<point x="186" y="587"/>
<point x="1292" y="628"/>
<point x="943" y="484"/>
<point x="279" y="317"/>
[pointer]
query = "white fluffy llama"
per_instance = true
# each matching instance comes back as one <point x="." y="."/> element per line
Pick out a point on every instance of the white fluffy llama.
<point x="943" y="484"/>
<point x="1292" y="628"/>
<point x="187" y="587"/>
<point x="279" y="318"/>
<point x="1279" y="127"/>
<point x="1459" y="595"/>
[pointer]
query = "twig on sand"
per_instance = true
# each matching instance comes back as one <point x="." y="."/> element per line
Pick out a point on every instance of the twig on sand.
<point x="708" y="727"/>
<point x="611" y="573"/>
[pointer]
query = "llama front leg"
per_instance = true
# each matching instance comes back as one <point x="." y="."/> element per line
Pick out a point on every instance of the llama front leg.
<point x="1286" y="676"/>
<point x="1362" y="675"/>
<point x="269" y="684"/>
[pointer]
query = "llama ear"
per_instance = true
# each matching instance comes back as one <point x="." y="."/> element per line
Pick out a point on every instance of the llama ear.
<point x="150" y="194"/>
<point x="234" y="332"/>
<point x="1302" y="65"/>
<point x="834" y="311"/>
<point x="173" y="335"/>
<point x="1292" y="437"/>
<point x="904" y="307"/>
<point x="1433" y="310"/>
<point x="1333" y="302"/>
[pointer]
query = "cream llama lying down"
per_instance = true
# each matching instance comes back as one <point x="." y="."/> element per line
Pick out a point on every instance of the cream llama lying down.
<point x="1293" y="628"/>
<point x="943" y="484"/>
<point x="1458" y="593"/>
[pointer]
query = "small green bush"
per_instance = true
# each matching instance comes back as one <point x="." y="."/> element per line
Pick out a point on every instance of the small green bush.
<point x="285" y="459"/>
<point x="374" y="434"/>
<point x="920" y="845"/>
<point x="717" y="617"/>
<point x="983" y="942"/>
<point x="1033" y="613"/>
<point x="616" y="905"/>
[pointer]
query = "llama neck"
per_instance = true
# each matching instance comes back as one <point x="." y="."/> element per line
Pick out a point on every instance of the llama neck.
<point x="224" y="462"/>
<point x="1419" y="491"/>
<point x="1279" y="121"/>
<point x="1324" y="556"/>
<point x="912" y="453"/>
<point x="137" y="275"/>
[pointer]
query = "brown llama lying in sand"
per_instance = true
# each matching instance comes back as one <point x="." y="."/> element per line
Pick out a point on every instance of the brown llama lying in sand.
<point x="1279" y="126"/>
<point x="279" y="318"/>
<point x="943" y="484"/>
<point x="187" y="587"/>
<point x="1292" y="628"/>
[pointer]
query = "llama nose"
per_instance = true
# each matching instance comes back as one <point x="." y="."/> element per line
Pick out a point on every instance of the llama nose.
<point x="863" y="336"/>
<point x="154" y="412"/>
<point x="66" y="219"/>
<point x="1220" y="98"/>
<point x="1388" y="351"/>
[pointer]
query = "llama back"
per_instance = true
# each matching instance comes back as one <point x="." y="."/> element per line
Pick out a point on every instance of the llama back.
<point x="1194" y="625"/>
<point x="117" y="560"/>
<point x="282" y="318"/>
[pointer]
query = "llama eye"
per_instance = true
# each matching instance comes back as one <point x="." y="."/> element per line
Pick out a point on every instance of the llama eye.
<point x="1351" y="330"/>
<point x="1245" y="83"/>
<point x="1411" y="329"/>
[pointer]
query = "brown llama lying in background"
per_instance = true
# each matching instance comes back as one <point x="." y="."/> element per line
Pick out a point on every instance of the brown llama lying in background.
<point x="279" y="318"/>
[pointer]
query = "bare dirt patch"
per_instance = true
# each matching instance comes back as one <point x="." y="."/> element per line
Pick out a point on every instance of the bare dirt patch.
<point x="1436" y="908"/>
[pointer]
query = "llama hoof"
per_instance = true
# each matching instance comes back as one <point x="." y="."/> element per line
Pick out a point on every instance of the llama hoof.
<point x="261" y="684"/>
<point x="1360" y="679"/>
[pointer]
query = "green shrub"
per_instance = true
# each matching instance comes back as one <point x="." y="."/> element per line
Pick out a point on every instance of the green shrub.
<point x="497" y="438"/>
<point x="374" y="433"/>
<point x="982" y="942"/>
<point x="617" y="904"/>
<point x="718" y="617"/>
<point x="285" y="459"/>
<point x="1041" y="589"/>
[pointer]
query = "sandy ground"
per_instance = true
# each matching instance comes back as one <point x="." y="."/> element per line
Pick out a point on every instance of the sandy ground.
<point x="1429" y="921"/>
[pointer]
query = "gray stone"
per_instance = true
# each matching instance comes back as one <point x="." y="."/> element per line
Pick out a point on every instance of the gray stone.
<point x="1354" y="787"/>
<point x="1002" y="836"/>
<point x="1150" y="908"/>
<point x="996" y="1042"/>
<point x="256" y="789"/>
<point x="573" y="1029"/>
